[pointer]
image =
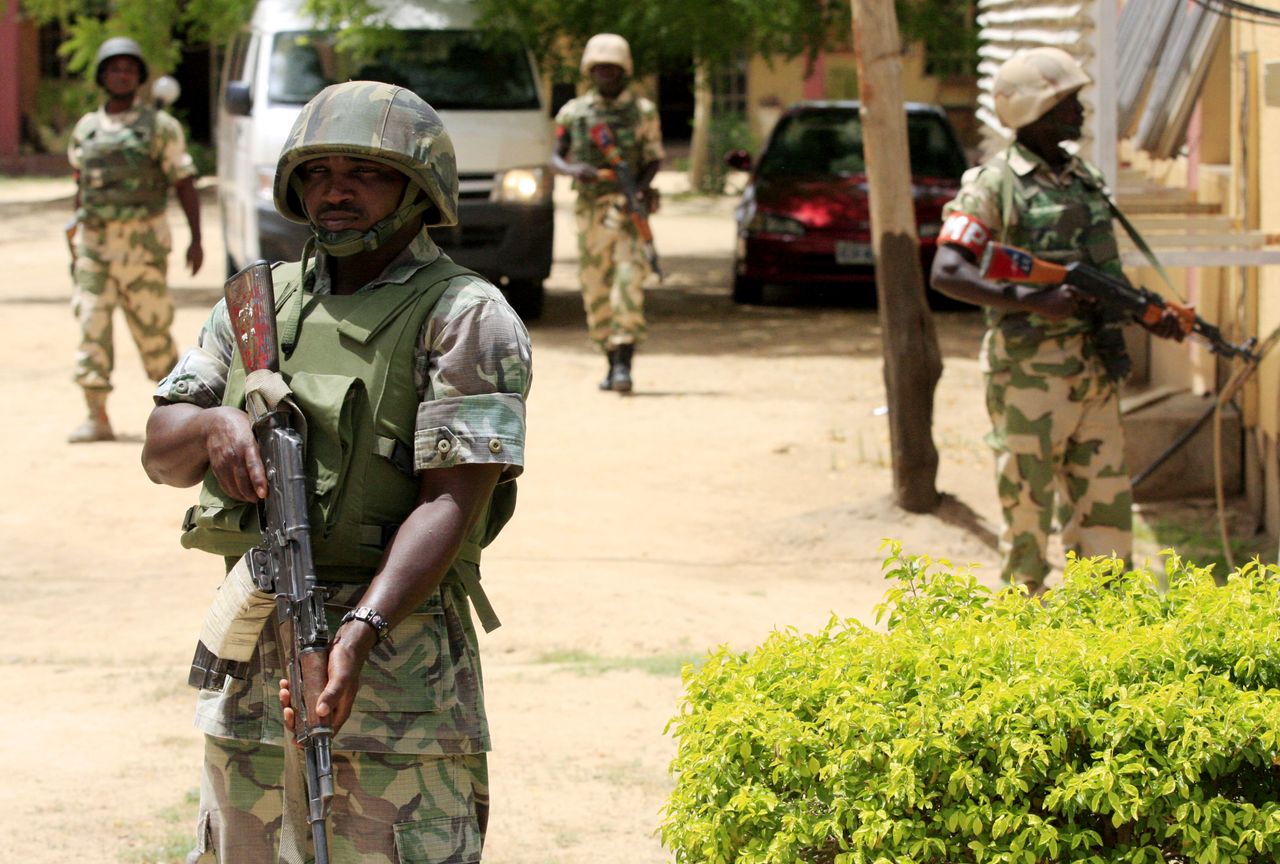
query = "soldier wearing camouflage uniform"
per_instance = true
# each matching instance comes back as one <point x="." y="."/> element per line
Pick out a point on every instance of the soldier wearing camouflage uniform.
<point x="412" y="373"/>
<point x="1054" y="405"/>
<point x="612" y="263"/>
<point x="124" y="157"/>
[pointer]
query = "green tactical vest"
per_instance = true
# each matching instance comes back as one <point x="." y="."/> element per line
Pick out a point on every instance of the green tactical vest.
<point x="119" y="178"/>
<point x="351" y="373"/>
<point x="624" y="120"/>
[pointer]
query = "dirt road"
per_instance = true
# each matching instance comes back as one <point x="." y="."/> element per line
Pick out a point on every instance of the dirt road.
<point x="744" y="487"/>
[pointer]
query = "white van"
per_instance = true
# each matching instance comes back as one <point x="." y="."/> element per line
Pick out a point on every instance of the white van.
<point x="486" y="91"/>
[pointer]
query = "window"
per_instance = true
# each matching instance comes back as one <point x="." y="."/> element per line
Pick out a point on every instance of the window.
<point x="450" y="69"/>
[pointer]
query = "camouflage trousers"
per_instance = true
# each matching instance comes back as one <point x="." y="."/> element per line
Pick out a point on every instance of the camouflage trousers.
<point x="388" y="808"/>
<point x="1059" y="450"/>
<point x="122" y="264"/>
<point x="612" y="268"/>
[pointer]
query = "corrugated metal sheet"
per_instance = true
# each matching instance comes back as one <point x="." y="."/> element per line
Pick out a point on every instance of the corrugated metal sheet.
<point x="1009" y="25"/>
<point x="1180" y="71"/>
<point x="1143" y="28"/>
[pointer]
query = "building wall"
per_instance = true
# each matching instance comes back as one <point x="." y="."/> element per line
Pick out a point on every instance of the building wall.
<point x="774" y="84"/>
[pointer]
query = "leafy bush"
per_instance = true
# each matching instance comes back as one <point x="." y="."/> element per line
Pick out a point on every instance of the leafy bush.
<point x="729" y="131"/>
<point x="1112" y="722"/>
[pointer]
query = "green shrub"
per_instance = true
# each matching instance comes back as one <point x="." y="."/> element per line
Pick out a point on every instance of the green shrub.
<point x="1113" y="722"/>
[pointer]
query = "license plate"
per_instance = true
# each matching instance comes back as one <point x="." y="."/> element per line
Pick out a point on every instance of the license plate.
<point x="848" y="252"/>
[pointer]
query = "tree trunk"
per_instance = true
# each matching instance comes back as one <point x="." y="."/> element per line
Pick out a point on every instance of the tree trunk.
<point x="912" y="359"/>
<point x="702" y="97"/>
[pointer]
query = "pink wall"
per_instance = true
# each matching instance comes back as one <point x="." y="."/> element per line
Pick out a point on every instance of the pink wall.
<point x="10" y="69"/>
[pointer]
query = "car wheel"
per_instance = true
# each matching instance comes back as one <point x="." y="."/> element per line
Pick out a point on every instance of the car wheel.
<point x="525" y="296"/>
<point x="749" y="291"/>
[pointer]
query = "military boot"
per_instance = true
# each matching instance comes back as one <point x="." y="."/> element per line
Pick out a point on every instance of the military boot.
<point x="606" y="383"/>
<point x="620" y="371"/>
<point x="96" y="426"/>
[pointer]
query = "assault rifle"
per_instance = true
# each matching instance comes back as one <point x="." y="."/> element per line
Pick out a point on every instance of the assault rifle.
<point x="1117" y="300"/>
<point x="281" y="566"/>
<point x="637" y="210"/>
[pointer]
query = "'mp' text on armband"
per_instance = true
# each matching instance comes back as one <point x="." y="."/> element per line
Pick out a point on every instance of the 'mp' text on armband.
<point x="961" y="229"/>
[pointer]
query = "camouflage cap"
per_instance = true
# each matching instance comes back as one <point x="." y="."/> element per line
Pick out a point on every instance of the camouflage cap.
<point x="606" y="48"/>
<point x="118" y="46"/>
<point x="1031" y="82"/>
<point x="381" y="122"/>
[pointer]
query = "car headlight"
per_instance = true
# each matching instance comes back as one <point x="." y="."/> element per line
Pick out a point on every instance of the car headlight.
<point x="773" y="223"/>
<point x="522" y="185"/>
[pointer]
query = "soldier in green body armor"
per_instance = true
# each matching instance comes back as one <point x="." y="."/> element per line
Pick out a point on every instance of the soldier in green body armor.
<point x="412" y="374"/>
<point x="612" y="262"/>
<point x="124" y="157"/>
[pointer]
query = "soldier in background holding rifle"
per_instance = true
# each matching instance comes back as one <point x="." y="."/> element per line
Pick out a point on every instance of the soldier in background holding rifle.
<point x="610" y="142"/>
<point x="410" y="374"/>
<point x="1052" y="367"/>
<point x="124" y="157"/>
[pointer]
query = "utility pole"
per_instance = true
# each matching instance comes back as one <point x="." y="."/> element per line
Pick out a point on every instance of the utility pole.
<point x="912" y="359"/>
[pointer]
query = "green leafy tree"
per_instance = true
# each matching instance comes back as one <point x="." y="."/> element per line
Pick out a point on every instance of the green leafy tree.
<point x="712" y="35"/>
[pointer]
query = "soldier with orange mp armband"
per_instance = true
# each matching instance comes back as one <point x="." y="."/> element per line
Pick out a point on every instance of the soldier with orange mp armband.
<point x="1052" y="368"/>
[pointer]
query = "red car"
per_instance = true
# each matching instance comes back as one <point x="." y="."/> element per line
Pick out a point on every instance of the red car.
<point x="804" y="217"/>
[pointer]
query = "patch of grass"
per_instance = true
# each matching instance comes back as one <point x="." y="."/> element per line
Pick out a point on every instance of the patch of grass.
<point x="584" y="663"/>
<point x="1194" y="534"/>
<point x="175" y="841"/>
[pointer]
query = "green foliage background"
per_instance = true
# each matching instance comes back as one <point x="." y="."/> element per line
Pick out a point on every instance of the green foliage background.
<point x="1114" y="722"/>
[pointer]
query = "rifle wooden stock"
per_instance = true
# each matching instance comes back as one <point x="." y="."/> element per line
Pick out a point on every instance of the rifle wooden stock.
<point x="251" y="305"/>
<point x="282" y="564"/>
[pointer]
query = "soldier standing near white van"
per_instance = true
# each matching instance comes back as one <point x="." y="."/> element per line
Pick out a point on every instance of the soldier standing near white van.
<point x="124" y="157"/>
<point x="412" y="373"/>
<point x="612" y="262"/>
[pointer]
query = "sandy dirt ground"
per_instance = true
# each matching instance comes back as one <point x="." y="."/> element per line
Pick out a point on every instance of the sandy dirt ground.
<point x="744" y="487"/>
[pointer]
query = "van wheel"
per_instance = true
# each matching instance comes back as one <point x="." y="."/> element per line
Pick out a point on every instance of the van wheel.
<point x="525" y="296"/>
<point x="749" y="291"/>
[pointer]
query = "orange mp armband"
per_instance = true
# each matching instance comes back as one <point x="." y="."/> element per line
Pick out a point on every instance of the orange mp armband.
<point x="961" y="229"/>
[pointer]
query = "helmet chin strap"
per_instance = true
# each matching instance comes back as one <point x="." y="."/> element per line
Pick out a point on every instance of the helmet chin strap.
<point x="341" y="244"/>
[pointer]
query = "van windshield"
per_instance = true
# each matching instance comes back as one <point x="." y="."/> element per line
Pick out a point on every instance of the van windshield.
<point x="829" y="141"/>
<point x="451" y="69"/>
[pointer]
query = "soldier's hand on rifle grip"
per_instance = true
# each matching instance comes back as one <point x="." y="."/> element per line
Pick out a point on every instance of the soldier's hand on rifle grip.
<point x="347" y="654"/>
<point x="233" y="453"/>
<point x="1056" y="303"/>
<point x="1169" y="326"/>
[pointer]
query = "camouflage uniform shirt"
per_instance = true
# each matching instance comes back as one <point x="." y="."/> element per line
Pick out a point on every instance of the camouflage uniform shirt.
<point x="1058" y="216"/>
<point x="168" y="150"/>
<point x="635" y="125"/>
<point x="473" y="370"/>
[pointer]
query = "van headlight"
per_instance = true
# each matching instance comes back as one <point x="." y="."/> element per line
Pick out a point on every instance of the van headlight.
<point x="522" y="185"/>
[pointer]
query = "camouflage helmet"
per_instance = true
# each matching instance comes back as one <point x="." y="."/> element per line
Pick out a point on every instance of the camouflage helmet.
<point x="383" y="123"/>
<point x="1031" y="82"/>
<point x="118" y="46"/>
<point x="606" y="48"/>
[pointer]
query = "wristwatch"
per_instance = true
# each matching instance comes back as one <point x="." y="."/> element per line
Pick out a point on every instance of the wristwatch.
<point x="373" y="618"/>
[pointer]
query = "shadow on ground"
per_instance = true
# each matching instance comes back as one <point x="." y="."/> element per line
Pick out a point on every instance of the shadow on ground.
<point x="691" y="312"/>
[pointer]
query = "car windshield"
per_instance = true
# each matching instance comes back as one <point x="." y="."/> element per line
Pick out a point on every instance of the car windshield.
<point x="451" y="69"/>
<point x="830" y="142"/>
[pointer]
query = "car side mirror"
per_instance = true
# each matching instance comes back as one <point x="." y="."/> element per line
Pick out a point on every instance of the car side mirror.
<point x="238" y="100"/>
<point x="739" y="160"/>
